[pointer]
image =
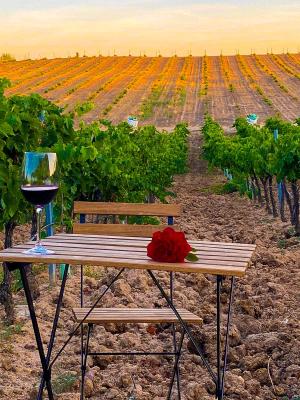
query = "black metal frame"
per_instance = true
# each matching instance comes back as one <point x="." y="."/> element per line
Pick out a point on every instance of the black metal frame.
<point x="219" y="378"/>
<point x="47" y="364"/>
<point x="176" y="354"/>
<point x="45" y="360"/>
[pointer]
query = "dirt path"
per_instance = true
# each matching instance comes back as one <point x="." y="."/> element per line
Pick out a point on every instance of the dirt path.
<point x="265" y="336"/>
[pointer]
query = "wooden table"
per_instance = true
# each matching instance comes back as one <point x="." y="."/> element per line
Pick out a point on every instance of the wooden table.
<point x="112" y="251"/>
<point x="215" y="258"/>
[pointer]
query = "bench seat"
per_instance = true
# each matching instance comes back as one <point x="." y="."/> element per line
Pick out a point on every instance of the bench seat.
<point x="100" y="316"/>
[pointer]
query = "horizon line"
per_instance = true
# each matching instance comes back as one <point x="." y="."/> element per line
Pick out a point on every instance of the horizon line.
<point x="138" y="55"/>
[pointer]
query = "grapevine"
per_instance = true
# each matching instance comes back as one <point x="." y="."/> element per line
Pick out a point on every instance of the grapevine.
<point x="285" y="67"/>
<point x="254" y="156"/>
<point x="249" y="74"/>
<point x="265" y="68"/>
<point x="100" y="162"/>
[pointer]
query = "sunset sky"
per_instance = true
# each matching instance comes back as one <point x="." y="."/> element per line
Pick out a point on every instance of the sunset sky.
<point x="39" y="28"/>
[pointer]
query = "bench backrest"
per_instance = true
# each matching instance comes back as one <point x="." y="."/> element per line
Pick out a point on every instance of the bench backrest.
<point x="84" y="208"/>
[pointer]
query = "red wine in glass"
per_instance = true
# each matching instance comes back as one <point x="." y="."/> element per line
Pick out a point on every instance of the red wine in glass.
<point x="39" y="195"/>
<point x="39" y="187"/>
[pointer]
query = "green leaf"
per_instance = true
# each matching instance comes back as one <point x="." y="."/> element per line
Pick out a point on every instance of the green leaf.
<point x="192" y="257"/>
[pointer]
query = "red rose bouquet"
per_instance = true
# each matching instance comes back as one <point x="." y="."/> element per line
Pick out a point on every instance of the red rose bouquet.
<point x="170" y="246"/>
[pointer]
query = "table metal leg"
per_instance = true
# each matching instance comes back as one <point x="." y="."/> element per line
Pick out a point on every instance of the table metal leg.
<point x="81" y="333"/>
<point x="46" y="370"/>
<point x="218" y="383"/>
<point x="229" y="314"/>
<point x="54" y="328"/>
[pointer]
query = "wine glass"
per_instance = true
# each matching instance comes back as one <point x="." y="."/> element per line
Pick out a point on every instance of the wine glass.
<point x="39" y="187"/>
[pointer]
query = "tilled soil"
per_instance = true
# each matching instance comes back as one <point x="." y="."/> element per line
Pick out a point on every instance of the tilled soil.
<point x="264" y="358"/>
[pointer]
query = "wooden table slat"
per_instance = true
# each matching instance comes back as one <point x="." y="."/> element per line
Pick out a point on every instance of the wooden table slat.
<point x="130" y="256"/>
<point x="139" y="249"/>
<point x="123" y="241"/>
<point x="138" y="252"/>
<point x="144" y="239"/>
<point x="121" y="263"/>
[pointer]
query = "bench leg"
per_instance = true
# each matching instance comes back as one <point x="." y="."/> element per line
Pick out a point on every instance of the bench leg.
<point x="80" y="324"/>
<point x="184" y="326"/>
<point x="176" y="370"/>
<point x="228" y="322"/>
<point x="172" y="278"/>
<point x="219" y="378"/>
<point x="83" y="367"/>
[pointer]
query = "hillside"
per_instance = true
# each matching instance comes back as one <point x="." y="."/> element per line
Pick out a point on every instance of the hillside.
<point x="264" y="359"/>
<point x="161" y="90"/>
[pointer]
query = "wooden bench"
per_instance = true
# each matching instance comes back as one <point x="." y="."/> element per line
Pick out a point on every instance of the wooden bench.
<point x="102" y="316"/>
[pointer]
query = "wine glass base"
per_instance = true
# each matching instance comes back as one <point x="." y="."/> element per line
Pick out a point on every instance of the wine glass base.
<point x="39" y="249"/>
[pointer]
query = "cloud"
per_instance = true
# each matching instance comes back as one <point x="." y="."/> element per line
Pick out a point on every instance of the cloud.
<point x="148" y="25"/>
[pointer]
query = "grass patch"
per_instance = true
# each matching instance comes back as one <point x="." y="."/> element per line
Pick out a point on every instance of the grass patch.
<point x="204" y="90"/>
<point x="8" y="331"/>
<point x="63" y="383"/>
<point x="265" y="99"/>
<point x="93" y="272"/>
<point x="107" y="109"/>
<point x="204" y="80"/>
<point x="291" y="232"/>
<point x="282" y="244"/>
<point x="180" y="97"/>
<point x="83" y="108"/>
<point x="153" y="101"/>
<point x="72" y="90"/>
<point x="231" y="88"/>
<point x="16" y="283"/>
<point x="291" y="398"/>
<point x="267" y="221"/>
<point x="49" y="89"/>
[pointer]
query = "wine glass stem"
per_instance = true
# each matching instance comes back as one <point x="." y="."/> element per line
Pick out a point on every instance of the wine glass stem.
<point x="38" y="212"/>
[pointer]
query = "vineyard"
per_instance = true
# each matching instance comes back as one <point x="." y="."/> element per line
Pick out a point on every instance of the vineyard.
<point x="255" y="158"/>
<point x="164" y="91"/>
<point x="98" y="162"/>
<point x="240" y="186"/>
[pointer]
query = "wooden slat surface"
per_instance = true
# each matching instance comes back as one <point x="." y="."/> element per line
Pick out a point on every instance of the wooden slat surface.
<point x="107" y="248"/>
<point x="101" y="316"/>
<point x="101" y="208"/>
<point x="130" y="252"/>
<point x="117" y="229"/>
<point x="140" y="240"/>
